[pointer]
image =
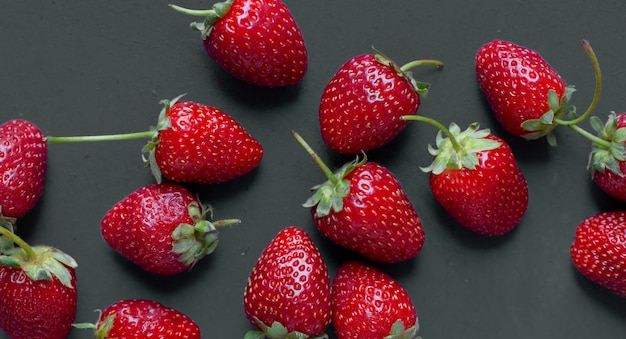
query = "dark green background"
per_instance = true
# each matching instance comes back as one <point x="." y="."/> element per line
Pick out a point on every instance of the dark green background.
<point x="100" y="67"/>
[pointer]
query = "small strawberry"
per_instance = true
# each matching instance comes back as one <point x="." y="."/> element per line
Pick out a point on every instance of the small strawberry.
<point x="599" y="250"/>
<point x="256" y="41"/>
<point x="362" y="103"/>
<point x="363" y="207"/>
<point x="192" y="143"/>
<point x="23" y="161"/>
<point x="288" y="293"/>
<point x="368" y="303"/>
<point x="475" y="177"/>
<point x="141" y="318"/>
<point x="607" y="162"/>
<point x="38" y="289"/>
<point x="161" y="228"/>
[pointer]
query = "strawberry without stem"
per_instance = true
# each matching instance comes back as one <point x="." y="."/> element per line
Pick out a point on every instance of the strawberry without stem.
<point x="38" y="288"/>
<point x="368" y="303"/>
<point x="363" y="207"/>
<point x="161" y="228"/>
<point x="139" y="318"/>
<point x="257" y="41"/>
<point x="361" y="105"/>
<point x="288" y="291"/>
<point x="599" y="250"/>
<point x="23" y="161"/>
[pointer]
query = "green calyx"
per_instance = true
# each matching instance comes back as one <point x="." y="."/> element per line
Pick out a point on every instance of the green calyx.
<point x="101" y="328"/>
<point x="544" y="126"/>
<point x="420" y="87"/>
<point x="399" y="332"/>
<point x="38" y="262"/>
<point x="211" y="16"/>
<point x="608" y="148"/>
<point x="194" y="242"/>
<point x="277" y="331"/>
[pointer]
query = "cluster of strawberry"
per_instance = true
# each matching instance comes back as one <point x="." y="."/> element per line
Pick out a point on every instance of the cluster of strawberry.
<point x="164" y="228"/>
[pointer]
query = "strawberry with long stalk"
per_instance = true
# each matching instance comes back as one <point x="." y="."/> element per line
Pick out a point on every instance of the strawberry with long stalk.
<point x="475" y="177"/>
<point x="38" y="288"/>
<point x="192" y="143"/>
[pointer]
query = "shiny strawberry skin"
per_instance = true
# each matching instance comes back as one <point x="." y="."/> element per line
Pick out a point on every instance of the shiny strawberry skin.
<point x="42" y="309"/>
<point x="259" y="42"/>
<point x="361" y="105"/>
<point x="515" y="81"/>
<point x="610" y="182"/>
<point x="140" y="226"/>
<point x="599" y="250"/>
<point x="378" y="221"/>
<point x="23" y="161"/>
<point x="204" y="145"/>
<point x="490" y="199"/>
<point x="290" y="284"/>
<point x="140" y="318"/>
<point x="367" y="302"/>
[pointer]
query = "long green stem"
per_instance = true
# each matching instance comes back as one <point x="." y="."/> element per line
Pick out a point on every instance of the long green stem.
<point x="596" y="94"/>
<point x="316" y="158"/>
<point x="435" y="123"/>
<point x="30" y="253"/>
<point x="108" y="137"/>
<point x="590" y="136"/>
<point x="416" y="63"/>
<point x="194" y="12"/>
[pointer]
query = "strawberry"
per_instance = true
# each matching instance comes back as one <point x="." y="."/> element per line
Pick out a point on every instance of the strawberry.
<point x="361" y="106"/>
<point x="161" y="228"/>
<point x="38" y="288"/>
<point x="23" y="161"/>
<point x="256" y="41"/>
<point x="475" y="177"/>
<point x="363" y="207"/>
<point x="368" y="303"/>
<point x="141" y="318"/>
<point x="608" y="157"/>
<point x="288" y="293"/>
<point x="599" y="250"/>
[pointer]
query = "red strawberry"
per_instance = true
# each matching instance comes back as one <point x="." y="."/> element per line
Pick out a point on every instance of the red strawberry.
<point x="257" y="41"/>
<point x="599" y="250"/>
<point x="288" y="289"/>
<point x="608" y="157"/>
<point x="363" y="207"/>
<point x="475" y="177"/>
<point x="23" y="159"/>
<point x="139" y="318"/>
<point x="368" y="303"/>
<point x="521" y="88"/>
<point x="38" y="288"/>
<point x="161" y="228"/>
<point x="362" y="103"/>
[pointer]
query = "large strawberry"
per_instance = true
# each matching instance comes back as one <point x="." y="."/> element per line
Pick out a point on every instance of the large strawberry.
<point x="23" y="159"/>
<point x="288" y="294"/>
<point x="364" y="208"/>
<point x="162" y="228"/>
<point x="141" y="318"/>
<point x="599" y="250"/>
<point x="257" y="41"/>
<point x="38" y="289"/>
<point x="368" y="303"/>
<point x="475" y="177"/>
<point x="192" y="143"/>
<point x="608" y="156"/>
<point x="361" y="106"/>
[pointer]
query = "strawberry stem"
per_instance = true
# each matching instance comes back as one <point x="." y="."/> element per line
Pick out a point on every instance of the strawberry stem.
<point x="416" y="63"/>
<point x="30" y="253"/>
<point x="329" y="174"/>
<point x="108" y="137"/>
<point x="435" y="123"/>
<point x="194" y="12"/>
<point x="593" y="138"/>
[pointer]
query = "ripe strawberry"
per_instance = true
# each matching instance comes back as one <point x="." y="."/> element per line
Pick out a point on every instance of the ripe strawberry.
<point x="599" y="250"/>
<point x="608" y="157"/>
<point x="521" y="88"/>
<point x="475" y="177"/>
<point x="288" y="291"/>
<point x="363" y="207"/>
<point x="362" y="103"/>
<point x="368" y="303"/>
<point x="38" y="288"/>
<point x="258" y="42"/>
<point x="23" y="159"/>
<point x="140" y="318"/>
<point x="161" y="228"/>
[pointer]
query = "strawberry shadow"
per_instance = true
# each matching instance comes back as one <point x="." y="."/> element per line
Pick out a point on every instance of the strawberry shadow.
<point x="604" y="201"/>
<point x="614" y="303"/>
